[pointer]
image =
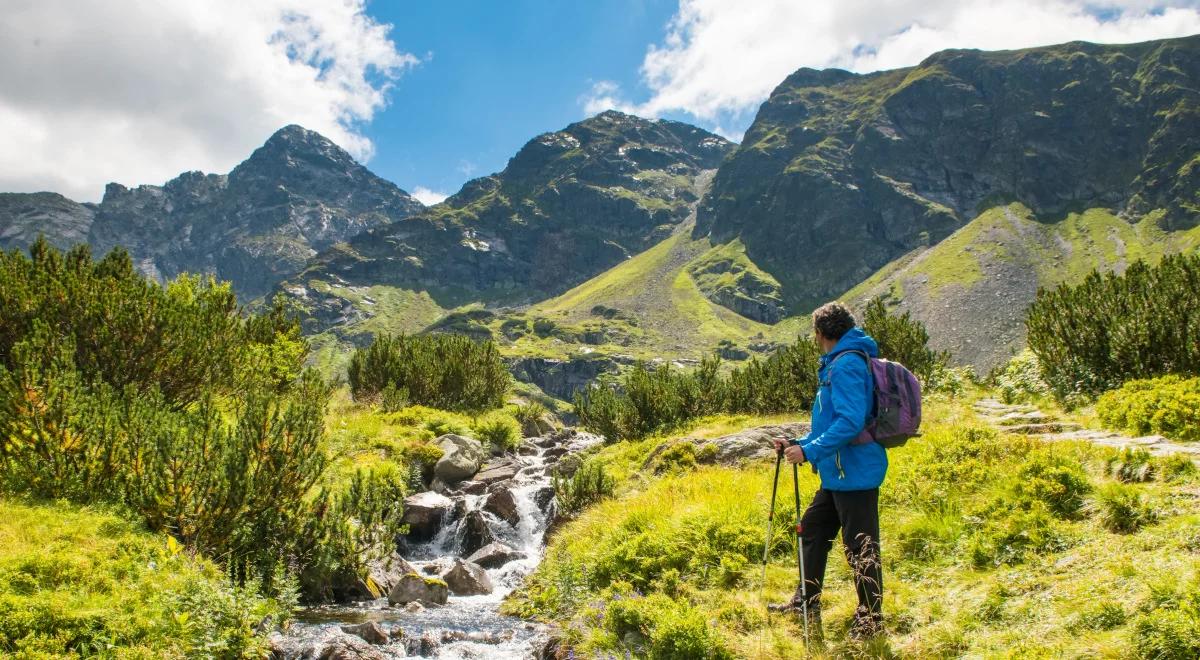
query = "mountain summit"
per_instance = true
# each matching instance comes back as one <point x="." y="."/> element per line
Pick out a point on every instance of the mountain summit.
<point x="297" y="194"/>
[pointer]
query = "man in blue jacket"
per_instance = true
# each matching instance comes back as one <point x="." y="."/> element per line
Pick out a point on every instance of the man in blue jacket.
<point x="850" y="473"/>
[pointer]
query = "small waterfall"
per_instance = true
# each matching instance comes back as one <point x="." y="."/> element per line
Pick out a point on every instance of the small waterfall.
<point x="467" y="626"/>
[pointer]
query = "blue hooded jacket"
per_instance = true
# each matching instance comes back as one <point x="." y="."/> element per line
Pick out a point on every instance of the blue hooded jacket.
<point x="843" y="403"/>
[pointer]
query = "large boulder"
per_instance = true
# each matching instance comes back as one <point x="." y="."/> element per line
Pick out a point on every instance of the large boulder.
<point x="544" y="498"/>
<point x="748" y="445"/>
<point x="477" y="534"/>
<point x="495" y="555"/>
<point x="460" y="459"/>
<point x="498" y="471"/>
<point x="539" y="426"/>
<point x="424" y="514"/>
<point x="503" y="505"/>
<point x="466" y="578"/>
<point x="417" y="588"/>
<point x="382" y="575"/>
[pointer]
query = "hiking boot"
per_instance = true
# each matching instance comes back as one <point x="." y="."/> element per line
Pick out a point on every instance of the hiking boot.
<point x="784" y="608"/>
<point x="866" y="626"/>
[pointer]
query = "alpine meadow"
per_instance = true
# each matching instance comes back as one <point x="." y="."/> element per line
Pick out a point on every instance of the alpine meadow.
<point x="904" y="365"/>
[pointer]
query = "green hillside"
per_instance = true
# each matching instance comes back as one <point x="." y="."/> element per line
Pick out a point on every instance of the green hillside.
<point x="972" y="288"/>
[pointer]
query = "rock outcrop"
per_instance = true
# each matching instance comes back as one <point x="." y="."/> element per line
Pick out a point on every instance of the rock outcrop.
<point x="461" y="458"/>
<point x="424" y="514"/>
<point x="467" y="578"/>
<point x="417" y="588"/>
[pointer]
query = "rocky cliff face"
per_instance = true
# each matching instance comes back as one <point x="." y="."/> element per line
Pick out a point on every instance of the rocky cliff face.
<point x="569" y="205"/>
<point x="842" y="173"/>
<point x="296" y="195"/>
<point x="24" y="217"/>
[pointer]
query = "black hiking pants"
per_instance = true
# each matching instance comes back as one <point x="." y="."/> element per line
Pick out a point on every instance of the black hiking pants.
<point x="856" y="514"/>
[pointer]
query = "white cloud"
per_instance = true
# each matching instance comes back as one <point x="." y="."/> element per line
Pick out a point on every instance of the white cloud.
<point x="428" y="197"/>
<point x="93" y="91"/>
<point x="721" y="58"/>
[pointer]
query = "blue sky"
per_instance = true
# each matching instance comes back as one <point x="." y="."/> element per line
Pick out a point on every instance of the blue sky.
<point x="495" y="74"/>
<point x="429" y="94"/>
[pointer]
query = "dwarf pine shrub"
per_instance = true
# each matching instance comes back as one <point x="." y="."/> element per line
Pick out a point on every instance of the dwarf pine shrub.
<point x="1111" y="328"/>
<point x="1123" y="509"/>
<point x="587" y="486"/>
<point x="499" y="430"/>
<point x="446" y="371"/>
<point x="1169" y="406"/>
<point x="1021" y="379"/>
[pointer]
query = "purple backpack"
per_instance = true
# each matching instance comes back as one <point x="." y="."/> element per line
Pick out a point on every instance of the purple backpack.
<point x="896" y="413"/>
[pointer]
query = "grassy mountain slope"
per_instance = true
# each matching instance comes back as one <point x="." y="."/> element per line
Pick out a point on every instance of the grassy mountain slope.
<point x="972" y="288"/>
<point x="840" y="174"/>
<point x="985" y="555"/>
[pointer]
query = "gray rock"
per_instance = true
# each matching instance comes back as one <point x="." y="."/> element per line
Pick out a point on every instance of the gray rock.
<point x="567" y="466"/>
<point x="413" y="587"/>
<point x="478" y="534"/>
<point x="370" y="632"/>
<point x="347" y="647"/>
<point x="424" y="513"/>
<point x="498" y="471"/>
<point x="382" y="575"/>
<point x="748" y="445"/>
<point x="503" y="505"/>
<point x="544" y="498"/>
<point x="473" y="487"/>
<point x="461" y="458"/>
<point x="555" y="452"/>
<point x="467" y="578"/>
<point x="495" y="555"/>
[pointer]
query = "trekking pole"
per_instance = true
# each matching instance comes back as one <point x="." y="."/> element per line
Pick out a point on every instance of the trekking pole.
<point x="771" y="517"/>
<point x="800" y="550"/>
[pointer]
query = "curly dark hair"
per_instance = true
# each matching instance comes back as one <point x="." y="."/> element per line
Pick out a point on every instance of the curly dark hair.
<point x="832" y="320"/>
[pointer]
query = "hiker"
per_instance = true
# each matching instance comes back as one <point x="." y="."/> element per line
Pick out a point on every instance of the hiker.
<point x="850" y="473"/>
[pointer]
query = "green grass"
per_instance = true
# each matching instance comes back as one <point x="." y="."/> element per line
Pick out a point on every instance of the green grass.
<point x="83" y="582"/>
<point x="984" y="557"/>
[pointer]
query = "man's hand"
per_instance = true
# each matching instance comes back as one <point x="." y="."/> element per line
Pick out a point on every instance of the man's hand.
<point x="793" y="453"/>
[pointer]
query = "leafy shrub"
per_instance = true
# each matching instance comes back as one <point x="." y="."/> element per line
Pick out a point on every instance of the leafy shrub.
<point x="1123" y="510"/>
<point x="1170" y="628"/>
<point x="1021" y="379"/>
<point x="393" y="399"/>
<point x="1104" y="616"/>
<point x="587" y="486"/>
<point x="531" y="412"/>
<point x="446" y="371"/>
<point x="902" y="339"/>
<point x="1010" y="536"/>
<point x="679" y="457"/>
<point x="164" y="399"/>
<point x="499" y="430"/>
<point x="1177" y="468"/>
<point x="671" y="630"/>
<point x="1053" y="480"/>
<point x="1131" y="465"/>
<point x="1111" y="328"/>
<point x="1168" y="406"/>
<point x="352" y="526"/>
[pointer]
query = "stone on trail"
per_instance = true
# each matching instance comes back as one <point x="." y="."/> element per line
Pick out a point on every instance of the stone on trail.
<point x="460" y="459"/>
<point x="413" y="587"/>
<point x="468" y="579"/>
<point x="369" y="631"/>
<point x="495" y="555"/>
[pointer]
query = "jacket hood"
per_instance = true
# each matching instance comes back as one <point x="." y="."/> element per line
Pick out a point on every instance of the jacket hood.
<point x="854" y="340"/>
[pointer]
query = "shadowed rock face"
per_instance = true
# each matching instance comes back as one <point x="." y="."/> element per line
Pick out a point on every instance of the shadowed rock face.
<point x="841" y="173"/>
<point x="296" y="195"/>
<point x="569" y="205"/>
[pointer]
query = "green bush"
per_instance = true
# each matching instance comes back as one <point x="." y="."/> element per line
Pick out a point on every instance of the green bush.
<point x="667" y="629"/>
<point x="1170" y="628"/>
<point x="587" y="486"/>
<point x="1011" y="536"/>
<point x="499" y="430"/>
<point x="352" y="526"/>
<point x="1021" y="379"/>
<point x="903" y="339"/>
<point x="1131" y="465"/>
<point x="1111" y="328"/>
<point x="1123" y="510"/>
<point x="167" y="400"/>
<point x="1169" y="406"/>
<point x="1051" y="479"/>
<point x="1104" y="616"/>
<point x="446" y="371"/>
